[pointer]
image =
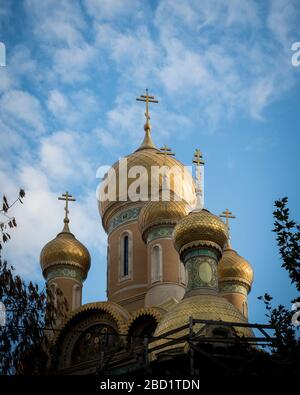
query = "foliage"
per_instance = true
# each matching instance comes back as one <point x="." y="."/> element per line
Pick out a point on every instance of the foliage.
<point x="8" y="221"/>
<point x="286" y="344"/>
<point x="29" y="316"/>
<point x="288" y="240"/>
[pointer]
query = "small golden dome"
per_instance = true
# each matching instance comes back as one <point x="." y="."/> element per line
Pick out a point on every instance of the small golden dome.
<point x="233" y="267"/>
<point x="204" y="307"/>
<point x="148" y="157"/>
<point x="200" y="226"/>
<point x="161" y="213"/>
<point x="65" y="248"/>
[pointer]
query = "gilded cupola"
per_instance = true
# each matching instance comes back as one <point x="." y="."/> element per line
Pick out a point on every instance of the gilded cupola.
<point x="161" y="213"/>
<point x="233" y="267"/>
<point x="65" y="261"/>
<point x="65" y="249"/>
<point x="200" y="227"/>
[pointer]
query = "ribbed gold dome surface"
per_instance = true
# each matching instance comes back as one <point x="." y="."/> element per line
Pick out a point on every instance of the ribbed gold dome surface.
<point x="161" y="213"/>
<point x="206" y="307"/>
<point x="148" y="157"/>
<point x="232" y="267"/>
<point x="200" y="225"/>
<point x="65" y="248"/>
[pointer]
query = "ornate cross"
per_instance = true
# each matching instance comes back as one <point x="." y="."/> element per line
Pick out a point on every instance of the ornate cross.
<point x="166" y="151"/>
<point x="68" y="198"/>
<point x="148" y="99"/>
<point x="227" y="214"/>
<point x="198" y="158"/>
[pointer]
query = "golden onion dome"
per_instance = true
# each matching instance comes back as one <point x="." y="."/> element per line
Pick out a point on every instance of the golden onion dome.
<point x="200" y="227"/>
<point x="202" y="307"/>
<point x="233" y="267"/>
<point x="161" y="213"/>
<point x="65" y="249"/>
<point x="148" y="157"/>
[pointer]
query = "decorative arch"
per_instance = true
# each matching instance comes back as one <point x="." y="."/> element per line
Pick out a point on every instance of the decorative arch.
<point x="142" y="324"/>
<point x="90" y="329"/>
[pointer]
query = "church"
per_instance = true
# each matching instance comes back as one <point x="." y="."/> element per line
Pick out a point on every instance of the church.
<point x="175" y="285"/>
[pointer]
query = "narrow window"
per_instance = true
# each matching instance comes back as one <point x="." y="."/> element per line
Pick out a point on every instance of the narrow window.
<point x="156" y="264"/>
<point x="76" y="297"/>
<point x="125" y="256"/>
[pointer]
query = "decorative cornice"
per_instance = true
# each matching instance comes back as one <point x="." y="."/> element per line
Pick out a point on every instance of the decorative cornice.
<point x="123" y="217"/>
<point x="234" y="286"/>
<point x="163" y="231"/>
<point x="200" y="244"/>
<point x="66" y="270"/>
<point x="192" y="253"/>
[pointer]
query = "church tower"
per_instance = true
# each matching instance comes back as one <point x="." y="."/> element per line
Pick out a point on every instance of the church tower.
<point x="65" y="262"/>
<point x="130" y="252"/>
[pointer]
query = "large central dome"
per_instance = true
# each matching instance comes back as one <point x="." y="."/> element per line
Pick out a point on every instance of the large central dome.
<point x="150" y="159"/>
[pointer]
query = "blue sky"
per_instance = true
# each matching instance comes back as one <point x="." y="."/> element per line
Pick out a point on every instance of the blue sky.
<point x="223" y="74"/>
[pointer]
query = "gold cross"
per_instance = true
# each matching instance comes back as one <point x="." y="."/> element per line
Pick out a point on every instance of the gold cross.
<point x="166" y="151"/>
<point x="148" y="99"/>
<point x="68" y="198"/>
<point x="227" y="214"/>
<point x="198" y="158"/>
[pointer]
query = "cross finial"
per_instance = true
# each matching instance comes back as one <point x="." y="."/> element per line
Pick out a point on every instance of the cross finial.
<point x="166" y="151"/>
<point x="227" y="214"/>
<point x="198" y="160"/>
<point x="148" y="99"/>
<point x="67" y="198"/>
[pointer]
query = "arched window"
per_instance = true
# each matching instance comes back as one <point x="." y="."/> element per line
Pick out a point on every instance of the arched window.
<point x="76" y="300"/>
<point x="126" y="255"/>
<point x="156" y="263"/>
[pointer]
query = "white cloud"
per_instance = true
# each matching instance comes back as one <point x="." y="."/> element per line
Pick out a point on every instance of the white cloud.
<point x="259" y="96"/>
<point x="107" y="139"/>
<point x="62" y="157"/>
<point x="74" y="109"/>
<point x="17" y="105"/>
<point x="40" y="218"/>
<point x="111" y="9"/>
<point x="56" y="22"/>
<point x="283" y="17"/>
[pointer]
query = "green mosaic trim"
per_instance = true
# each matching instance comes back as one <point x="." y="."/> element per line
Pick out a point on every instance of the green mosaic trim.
<point x="158" y="233"/>
<point x="125" y="216"/>
<point x="67" y="272"/>
<point x="233" y="288"/>
<point x="200" y="252"/>
<point x="201" y="273"/>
